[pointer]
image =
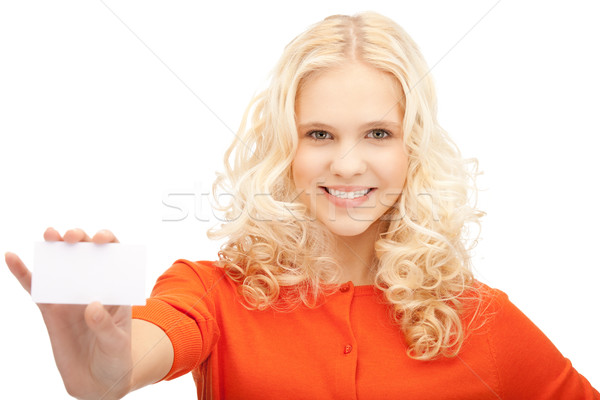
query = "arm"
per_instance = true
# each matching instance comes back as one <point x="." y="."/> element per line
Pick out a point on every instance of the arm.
<point x="152" y="353"/>
<point x="528" y="364"/>
<point x="100" y="351"/>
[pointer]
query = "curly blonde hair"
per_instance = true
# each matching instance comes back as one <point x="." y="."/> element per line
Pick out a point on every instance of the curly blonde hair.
<point x="279" y="254"/>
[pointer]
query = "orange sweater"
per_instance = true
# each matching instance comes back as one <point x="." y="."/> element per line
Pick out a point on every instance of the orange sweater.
<point x="345" y="349"/>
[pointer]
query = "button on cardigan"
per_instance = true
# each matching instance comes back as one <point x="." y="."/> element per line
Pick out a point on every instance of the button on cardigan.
<point x="346" y="348"/>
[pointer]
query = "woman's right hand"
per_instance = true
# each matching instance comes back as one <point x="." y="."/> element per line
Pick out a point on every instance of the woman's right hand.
<point x="91" y="344"/>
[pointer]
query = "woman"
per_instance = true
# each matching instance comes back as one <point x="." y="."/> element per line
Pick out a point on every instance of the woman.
<point x="346" y="271"/>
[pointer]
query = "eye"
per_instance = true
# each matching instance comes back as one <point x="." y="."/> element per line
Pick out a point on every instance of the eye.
<point x="379" y="134"/>
<point x="319" y="135"/>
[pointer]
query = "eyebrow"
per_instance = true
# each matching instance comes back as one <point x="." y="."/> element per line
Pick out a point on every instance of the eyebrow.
<point x="372" y="124"/>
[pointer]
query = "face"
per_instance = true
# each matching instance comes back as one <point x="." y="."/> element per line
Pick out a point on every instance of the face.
<point x="351" y="165"/>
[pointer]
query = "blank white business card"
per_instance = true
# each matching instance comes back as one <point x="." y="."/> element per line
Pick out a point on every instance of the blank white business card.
<point x="80" y="273"/>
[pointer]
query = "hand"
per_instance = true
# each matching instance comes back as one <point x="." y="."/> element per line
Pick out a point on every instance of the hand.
<point x="91" y="344"/>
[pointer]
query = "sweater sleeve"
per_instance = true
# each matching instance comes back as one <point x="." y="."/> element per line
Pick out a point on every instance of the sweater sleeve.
<point x="182" y="305"/>
<point x="529" y="366"/>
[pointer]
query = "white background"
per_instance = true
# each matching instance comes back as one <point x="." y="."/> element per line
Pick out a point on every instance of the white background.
<point x="107" y="108"/>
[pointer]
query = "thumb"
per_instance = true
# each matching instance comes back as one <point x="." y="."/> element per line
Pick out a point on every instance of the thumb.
<point x="19" y="270"/>
<point x="110" y="338"/>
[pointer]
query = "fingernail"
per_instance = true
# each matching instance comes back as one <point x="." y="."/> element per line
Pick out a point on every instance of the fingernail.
<point x="97" y="316"/>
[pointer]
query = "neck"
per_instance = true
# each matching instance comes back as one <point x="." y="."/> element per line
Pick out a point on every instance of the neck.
<point x="356" y="256"/>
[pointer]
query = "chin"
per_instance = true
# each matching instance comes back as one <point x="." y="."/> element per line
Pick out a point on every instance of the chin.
<point x="348" y="229"/>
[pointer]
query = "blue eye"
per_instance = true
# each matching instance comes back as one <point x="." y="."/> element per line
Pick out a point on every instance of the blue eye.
<point x="379" y="134"/>
<point x="319" y="135"/>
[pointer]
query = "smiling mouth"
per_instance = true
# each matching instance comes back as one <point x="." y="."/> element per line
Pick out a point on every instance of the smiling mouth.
<point x="347" y="195"/>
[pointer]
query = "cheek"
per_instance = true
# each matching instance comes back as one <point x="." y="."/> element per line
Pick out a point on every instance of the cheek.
<point x="297" y="171"/>
<point x="401" y="170"/>
<point x="394" y="168"/>
<point x="393" y="180"/>
<point x="305" y="168"/>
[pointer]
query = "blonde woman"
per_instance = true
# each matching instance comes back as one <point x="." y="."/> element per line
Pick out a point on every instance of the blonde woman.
<point x="346" y="270"/>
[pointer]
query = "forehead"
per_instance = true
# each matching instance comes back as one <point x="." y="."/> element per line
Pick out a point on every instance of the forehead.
<point x="354" y="91"/>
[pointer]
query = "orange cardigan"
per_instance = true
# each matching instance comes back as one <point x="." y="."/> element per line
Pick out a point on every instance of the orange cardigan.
<point x="347" y="348"/>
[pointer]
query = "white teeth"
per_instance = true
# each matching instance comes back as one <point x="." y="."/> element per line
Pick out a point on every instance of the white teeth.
<point x="347" y="195"/>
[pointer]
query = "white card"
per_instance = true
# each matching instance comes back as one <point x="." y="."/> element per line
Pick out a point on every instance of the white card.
<point x="81" y="273"/>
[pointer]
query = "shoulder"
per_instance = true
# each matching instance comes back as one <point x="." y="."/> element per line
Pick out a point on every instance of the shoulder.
<point x="480" y="304"/>
<point x="505" y="323"/>
<point x="194" y="276"/>
<point x="203" y="266"/>
<point x="204" y="270"/>
<point x="516" y="349"/>
<point x="492" y="306"/>
<point x="489" y="312"/>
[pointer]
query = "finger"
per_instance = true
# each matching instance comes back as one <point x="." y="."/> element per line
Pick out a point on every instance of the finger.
<point x="52" y="235"/>
<point x="104" y="236"/>
<point x="110" y="338"/>
<point x="76" y="235"/>
<point x="19" y="270"/>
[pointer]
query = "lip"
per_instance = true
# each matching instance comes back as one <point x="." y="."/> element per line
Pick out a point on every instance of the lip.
<point x="347" y="203"/>
<point x="348" y="188"/>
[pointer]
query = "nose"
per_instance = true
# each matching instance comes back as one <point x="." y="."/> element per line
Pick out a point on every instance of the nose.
<point x="348" y="162"/>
